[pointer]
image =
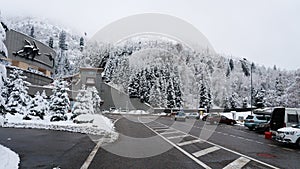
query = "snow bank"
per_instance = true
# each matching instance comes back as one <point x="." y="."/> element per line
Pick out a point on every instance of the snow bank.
<point x="8" y="158"/>
<point x="100" y="126"/>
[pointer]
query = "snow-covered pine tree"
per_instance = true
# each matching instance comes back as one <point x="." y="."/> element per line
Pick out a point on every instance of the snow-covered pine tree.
<point x="3" y="49"/>
<point x="84" y="103"/>
<point x="32" y="31"/>
<point x="50" y="42"/>
<point x="96" y="100"/>
<point x="3" y="89"/>
<point x="170" y="96"/>
<point x="81" y="43"/>
<point x="38" y="106"/>
<point x="18" y="98"/>
<point x="59" y="102"/>
<point x="155" y="98"/>
<point x="259" y="99"/>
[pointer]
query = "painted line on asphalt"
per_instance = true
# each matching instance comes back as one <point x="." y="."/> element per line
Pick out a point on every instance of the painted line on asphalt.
<point x="180" y="149"/>
<point x="91" y="156"/>
<point x="238" y="163"/>
<point x="171" y="132"/>
<point x="272" y="145"/>
<point x="288" y="149"/>
<point x="232" y="151"/>
<point x="188" y="142"/>
<point x="206" y="151"/>
<point x="180" y="136"/>
<point x="167" y="129"/>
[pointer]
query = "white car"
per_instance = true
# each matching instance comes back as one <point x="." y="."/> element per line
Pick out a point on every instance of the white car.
<point x="289" y="135"/>
<point x="180" y="115"/>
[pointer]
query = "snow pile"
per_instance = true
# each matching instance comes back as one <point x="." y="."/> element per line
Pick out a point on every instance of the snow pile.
<point x="8" y="158"/>
<point x="100" y="125"/>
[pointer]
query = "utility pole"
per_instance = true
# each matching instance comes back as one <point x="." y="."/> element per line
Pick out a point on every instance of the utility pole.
<point x="251" y="88"/>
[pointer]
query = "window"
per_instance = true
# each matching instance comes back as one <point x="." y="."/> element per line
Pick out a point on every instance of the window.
<point x="293" y="118"/>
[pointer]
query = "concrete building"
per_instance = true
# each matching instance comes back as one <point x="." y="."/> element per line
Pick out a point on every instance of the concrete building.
<point x="32" y="56"/>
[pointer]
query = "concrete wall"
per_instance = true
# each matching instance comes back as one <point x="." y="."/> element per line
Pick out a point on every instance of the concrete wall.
<point x="115" y="98"/>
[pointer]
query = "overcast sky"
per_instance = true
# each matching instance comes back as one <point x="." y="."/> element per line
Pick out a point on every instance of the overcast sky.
<point x="264" y="31"/>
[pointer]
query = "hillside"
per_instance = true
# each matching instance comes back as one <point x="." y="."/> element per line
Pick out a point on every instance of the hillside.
<point x="166" y="73"/>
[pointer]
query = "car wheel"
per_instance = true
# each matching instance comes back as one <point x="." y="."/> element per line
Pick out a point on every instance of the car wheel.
<point x="250" y="128"/>
<point x="232" y="123"/>
<point x="298" y="142"/>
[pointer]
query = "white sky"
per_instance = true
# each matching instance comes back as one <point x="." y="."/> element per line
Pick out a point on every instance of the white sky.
<point x="264" y="31"/>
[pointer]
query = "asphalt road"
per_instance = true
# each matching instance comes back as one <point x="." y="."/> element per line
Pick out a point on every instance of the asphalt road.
<point x="152" y="142"/>
<point x="46" y="149"/>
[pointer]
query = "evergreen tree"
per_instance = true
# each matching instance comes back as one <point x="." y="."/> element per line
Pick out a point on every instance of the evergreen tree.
<point x="51" y="42"/>
<point x="18" y="93"/>
<point x="259" y="98"/>
<point x="84" y="103"/>
<point x="245" y="102"/>
<point x="3" y="49"/>
<point x="233" y="101"/>
<point x="59" y="103"/>
<point x="32" y="32"/>
<point x="96" y="100"/>
<point x="62" y="41"/>
<point x="3" y="89"/>
<point x="38" y="106"/>
<point x="231" y="64"/>
<point x="245" y="67"/>
<point x="170" y="96"/>
<point x="81" y="44"/>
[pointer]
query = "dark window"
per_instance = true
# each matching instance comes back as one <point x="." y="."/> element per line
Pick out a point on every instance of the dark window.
<point x="293" y="118"/>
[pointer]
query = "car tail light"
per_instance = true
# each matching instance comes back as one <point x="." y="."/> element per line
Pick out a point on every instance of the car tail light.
<point x="251" y="121"/>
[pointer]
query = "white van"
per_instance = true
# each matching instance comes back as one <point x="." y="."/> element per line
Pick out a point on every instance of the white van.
<point x="284" y="117"/>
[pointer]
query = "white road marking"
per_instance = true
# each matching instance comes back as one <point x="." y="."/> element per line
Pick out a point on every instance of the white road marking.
<point x="238" y="163"/>
<point x="180" y="149"/>
<point x="164" y="129"/>
<point x="180" y="136"/>
<point x="158" y="127"/>
<point x="272" y="145"/>
<point x="172" y="132"/>
<point x="206" y="151"/>
<point x="91" y="156"/>
<point x="188" y="142"/>
<point x="232" y="151"/>
<point x="288" y="149"/>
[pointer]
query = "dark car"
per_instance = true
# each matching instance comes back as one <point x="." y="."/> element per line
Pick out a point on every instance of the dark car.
<point x="215" y="119"/>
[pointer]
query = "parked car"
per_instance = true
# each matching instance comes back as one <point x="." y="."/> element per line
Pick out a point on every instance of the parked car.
<point x="215" y="119"/>
<point x="252" y="121"/>
<point x="193" y="115"/>
<point x="262" y="127"/>
<point x="289" y="135"/>
<point x="180" y="115"/>
<point x="284" y="117"/>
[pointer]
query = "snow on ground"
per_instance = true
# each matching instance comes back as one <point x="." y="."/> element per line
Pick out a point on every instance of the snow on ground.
<point x="8" y="158"/>
<point x="100" y="124"/>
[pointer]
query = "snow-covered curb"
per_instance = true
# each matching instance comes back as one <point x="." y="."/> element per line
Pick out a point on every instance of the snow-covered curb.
<point x="8" y="158"/>
<point x="100" y="126"/>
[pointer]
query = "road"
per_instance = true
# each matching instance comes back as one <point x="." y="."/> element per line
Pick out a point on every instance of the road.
<point x="228" y="146"/>
<point x="152" y="142"/>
